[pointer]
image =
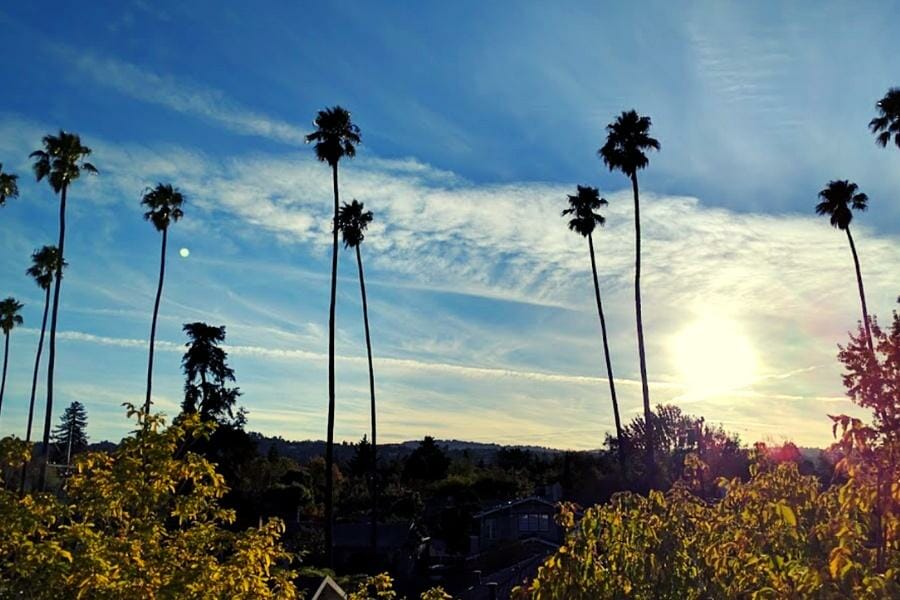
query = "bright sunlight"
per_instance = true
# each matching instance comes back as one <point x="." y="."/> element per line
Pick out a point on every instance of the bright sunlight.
<point x="713" y="355"/>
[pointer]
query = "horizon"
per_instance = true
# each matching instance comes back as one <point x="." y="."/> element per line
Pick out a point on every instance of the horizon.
<point x="480" y="299"/>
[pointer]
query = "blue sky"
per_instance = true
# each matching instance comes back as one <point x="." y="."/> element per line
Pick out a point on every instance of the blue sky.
<point x="477" y="119"/>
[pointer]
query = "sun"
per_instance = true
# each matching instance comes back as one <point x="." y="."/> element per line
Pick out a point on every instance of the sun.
<point x="714" y="355"/>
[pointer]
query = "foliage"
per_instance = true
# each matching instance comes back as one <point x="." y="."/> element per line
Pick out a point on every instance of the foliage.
<point x="9" y="187"/>
<point x="62" y="160"/>
<point x="70" y="435"/>
<point x="163" y="204"/>
<point x="427" y="462"/>
<point x="143" y="521"/>
<point x="9" y="314"/>
<point x="887" y="124"/>
<point x="381" y="587"/>
<point x="838" y="200"/>
<point x="352" y="221"/>
<point x="778" y="535"/>
<point x="207" y="374"/>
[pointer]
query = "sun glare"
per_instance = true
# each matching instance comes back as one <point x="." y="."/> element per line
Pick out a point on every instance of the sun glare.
<point x="713" y="356"/>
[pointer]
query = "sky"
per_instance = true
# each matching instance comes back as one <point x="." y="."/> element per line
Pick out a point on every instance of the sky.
<point x="477" y="120"/>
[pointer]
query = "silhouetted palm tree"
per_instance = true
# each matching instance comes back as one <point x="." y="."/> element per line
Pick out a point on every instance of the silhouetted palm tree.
<point x="627" y="140"/>
<point x="61" y="162"/>
<point x="335" y="137"/>
<point x="163" y="204"/>
<point x="582" y="206"/>
<point x="42" y="270"/>
<point x="838" y="200"/>
<point x="353" y="220"/>
<point x="9" y="187"/>
<point x="887" y="124"/>
<point x="9" y="318"/>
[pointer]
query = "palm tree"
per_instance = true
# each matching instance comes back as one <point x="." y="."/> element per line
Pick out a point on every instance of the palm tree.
<point x="887" y="124"/>
<point x="582" y="206"/>
<point x="627" y="140"/>
<point x="42" y="270"/>
<point x="9" y="188"/>
<point x="163" y="205"/>
<point x="353" y="220"/>
<point x="335" y="137"/>
<point x="838" y="200"/>
<point x="9" y="318"/>
<point x="61" y="162"/>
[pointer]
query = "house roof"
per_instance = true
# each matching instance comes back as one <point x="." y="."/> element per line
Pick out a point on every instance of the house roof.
<point x="512" y="503"/>
<point x="329" y="590"/>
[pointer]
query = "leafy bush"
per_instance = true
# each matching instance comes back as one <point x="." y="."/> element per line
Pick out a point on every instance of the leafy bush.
<point x="778" y="535"/>
<point x="141" y="522"/>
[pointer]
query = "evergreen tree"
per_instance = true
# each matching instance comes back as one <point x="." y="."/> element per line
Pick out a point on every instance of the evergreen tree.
<point x="70" y="437"/>
<point x="207" y="374"/>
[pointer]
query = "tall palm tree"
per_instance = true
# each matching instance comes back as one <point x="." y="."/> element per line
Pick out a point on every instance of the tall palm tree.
<point x="9" y="187"/>
<point x="335" y="137"/>
<point x="887" y="124"/>
<point x="9" y="318"/>
<point x="584" y="220"/>
<point x="838" y="200"/>
<point x="61" y="162"/>
<point x="627" y="141"/>
<point x="353" y="220"/>
<point x="163" y="204"/>
<point x="42" y="270"/>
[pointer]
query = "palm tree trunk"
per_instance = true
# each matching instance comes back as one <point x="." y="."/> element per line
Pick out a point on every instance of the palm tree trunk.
<point x="5" y="361"/>
<point x="374" y="482"/>
<point x="34" y="380"/>
<point x="51" y="358"/>
<point x="609" y="372"/>
<point x="862" y="292"/>
<point x="159" y="288"/>
<point x="329" y="442"/>
<point x="645" y="388"/>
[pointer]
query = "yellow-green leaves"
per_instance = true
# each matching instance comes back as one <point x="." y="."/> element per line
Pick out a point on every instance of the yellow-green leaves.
<point x="141" y="522"/>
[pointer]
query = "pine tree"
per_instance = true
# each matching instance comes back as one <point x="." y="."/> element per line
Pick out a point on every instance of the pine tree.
<point x="70" y="437"/>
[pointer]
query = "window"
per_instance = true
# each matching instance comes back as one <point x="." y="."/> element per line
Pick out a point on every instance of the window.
<point x="489" y="528"/>
<point x="534" y="522"/>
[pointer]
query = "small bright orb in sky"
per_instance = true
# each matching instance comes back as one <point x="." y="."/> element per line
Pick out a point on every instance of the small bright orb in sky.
<point x="184" y="252"/>
<point x="713" y="355"/>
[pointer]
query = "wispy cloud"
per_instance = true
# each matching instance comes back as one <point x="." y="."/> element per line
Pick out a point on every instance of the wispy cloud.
<point x="181" y="96"/>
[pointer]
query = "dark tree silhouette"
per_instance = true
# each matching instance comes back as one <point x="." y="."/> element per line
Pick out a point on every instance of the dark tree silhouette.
<point x="427" y="462"/>
<point x="887" y="124"/>
<point x="163" y="204"/>
<point x="581" y="207"/>
<point x="335" y="137"/>
<point x="207" y="375"/>
<point x="838" y="200"/>
<point x="60" y="162"/>
<point x="353" y="220"/>
<point x="42" y="270"/>
<point x="9" y="187"/>
<point x="70" y="435"/>
<point x="9" y="319"/>
<point x="627" y="140"/>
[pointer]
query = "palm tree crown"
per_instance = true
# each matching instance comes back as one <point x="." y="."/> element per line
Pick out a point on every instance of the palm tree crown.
<point x="887" y="124"/>
<point x="582" y="205"/>
<point x="626" y="141"/>
<point x="62" y="160"/>
<point x="44" y="263"/>
<point x="335" y="136"/>
<point x="837" y="200"/>
<point x="352" y="221"/>
<point x="9" y="314"/>
<point x="8" y="186"/>
<point x="164" y="205"/>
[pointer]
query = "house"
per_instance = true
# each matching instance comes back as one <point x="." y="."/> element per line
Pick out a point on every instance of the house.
<point x="400" y="547"/>
<point x="329" y="590"/>
<point x="518" y="520"/>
